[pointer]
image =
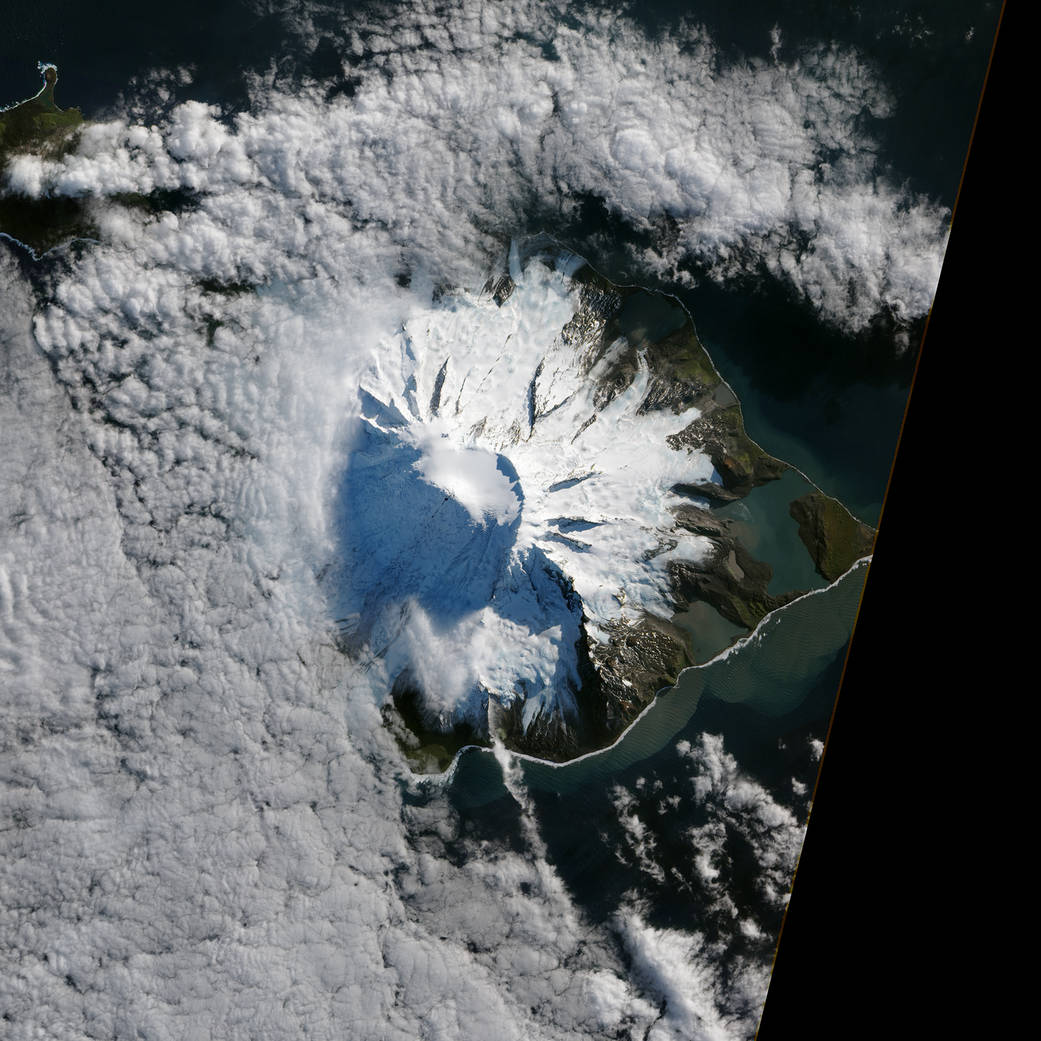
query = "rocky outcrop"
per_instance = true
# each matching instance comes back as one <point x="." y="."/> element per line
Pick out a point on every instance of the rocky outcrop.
<point x="734" y="583"/>
<point x="427" y="744"/>
<point x="620" y="677"/>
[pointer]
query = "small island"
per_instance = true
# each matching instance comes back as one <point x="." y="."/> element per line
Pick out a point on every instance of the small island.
<point x="832" y="535"/>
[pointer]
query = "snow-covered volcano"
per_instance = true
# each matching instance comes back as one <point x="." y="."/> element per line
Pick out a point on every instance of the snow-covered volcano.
<point x="507" y="503"/>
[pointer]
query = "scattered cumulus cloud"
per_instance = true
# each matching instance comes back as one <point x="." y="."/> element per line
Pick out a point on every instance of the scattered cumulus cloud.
<point x="740" y="809"/>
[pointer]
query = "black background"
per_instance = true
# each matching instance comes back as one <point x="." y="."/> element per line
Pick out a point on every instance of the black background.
<point x="874" y="942"/>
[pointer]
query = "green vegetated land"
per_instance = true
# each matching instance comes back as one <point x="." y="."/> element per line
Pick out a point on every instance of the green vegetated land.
<point x="834" y="538"/>
<point x="38" y="126"/>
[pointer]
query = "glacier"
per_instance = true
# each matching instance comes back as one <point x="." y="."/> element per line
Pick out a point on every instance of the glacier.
<point x="497" y="516"/>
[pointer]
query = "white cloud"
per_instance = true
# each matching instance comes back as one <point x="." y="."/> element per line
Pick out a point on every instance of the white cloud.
<point x="684" y="969"/>
<point x="737" y="805"/>
<point x="641" y="843"/>
<point x="759" y="165"/>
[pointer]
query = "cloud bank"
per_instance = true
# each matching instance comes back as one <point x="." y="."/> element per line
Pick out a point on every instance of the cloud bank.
<point x="459" y="125"/>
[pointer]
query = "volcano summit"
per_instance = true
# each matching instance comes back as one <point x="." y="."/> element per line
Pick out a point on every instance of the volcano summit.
<point x="528" y="503"/>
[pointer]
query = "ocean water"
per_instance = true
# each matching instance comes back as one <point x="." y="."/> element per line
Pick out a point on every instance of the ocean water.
<point x="210" y="828"/>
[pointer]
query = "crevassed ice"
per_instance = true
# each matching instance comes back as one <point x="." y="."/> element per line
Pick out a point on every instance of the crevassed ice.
<point x="489" y="507"/>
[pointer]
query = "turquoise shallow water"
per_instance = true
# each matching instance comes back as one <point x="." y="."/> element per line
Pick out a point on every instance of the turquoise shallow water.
<point x="767" y="704"/>
<point x="772" y="672"/>
<point x="763" y="523"/>
<point x="770" y="533"/>
<point x="708" y="631"/>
